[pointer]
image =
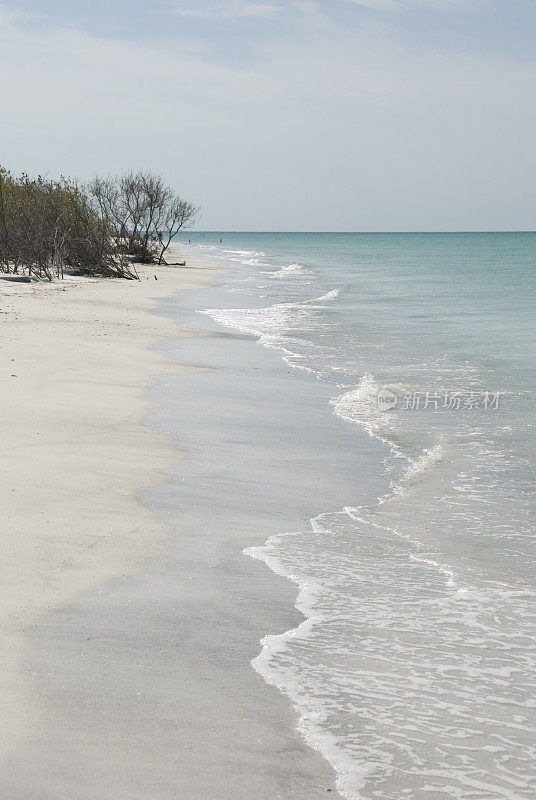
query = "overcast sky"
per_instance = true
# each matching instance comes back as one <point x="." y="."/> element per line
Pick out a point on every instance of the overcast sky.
<point x="284" y="114"/>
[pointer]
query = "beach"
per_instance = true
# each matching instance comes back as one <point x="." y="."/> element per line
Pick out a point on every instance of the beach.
<point x="92" y="706"/>
<point x="406" y="535"/>
<point x="76" y="360"/>
<point x="232" y="574"/>
<point x="267" y="292"/>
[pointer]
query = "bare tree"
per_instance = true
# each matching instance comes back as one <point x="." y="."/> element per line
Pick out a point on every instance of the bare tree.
<point x="180" y="214"/>
<point x="142" y="210"/>
<point x="48" y="226"/>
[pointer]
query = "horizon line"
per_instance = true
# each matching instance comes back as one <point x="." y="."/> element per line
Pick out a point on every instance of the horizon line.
<point x="216" y="230"/>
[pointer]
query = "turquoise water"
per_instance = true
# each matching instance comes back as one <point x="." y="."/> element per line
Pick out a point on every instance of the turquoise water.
<point x="414" y="670"/>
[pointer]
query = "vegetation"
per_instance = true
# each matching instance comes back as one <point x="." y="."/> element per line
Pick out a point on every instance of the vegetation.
<point x="48" y="227"/>
<point x="144" y="212"/>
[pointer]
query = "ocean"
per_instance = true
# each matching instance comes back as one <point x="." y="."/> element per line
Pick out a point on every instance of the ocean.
<point x="413" y="671"/>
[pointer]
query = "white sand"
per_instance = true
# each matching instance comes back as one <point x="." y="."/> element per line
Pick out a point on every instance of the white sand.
<point x="76" y="365"/>
<point x="125" y="647"/>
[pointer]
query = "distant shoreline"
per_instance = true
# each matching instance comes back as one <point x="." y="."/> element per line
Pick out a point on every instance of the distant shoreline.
<point x="190" y="233"/>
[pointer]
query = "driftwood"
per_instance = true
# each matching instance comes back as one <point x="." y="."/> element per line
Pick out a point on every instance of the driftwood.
<point x="16" y="278"/>
<point x="175" y="263"/>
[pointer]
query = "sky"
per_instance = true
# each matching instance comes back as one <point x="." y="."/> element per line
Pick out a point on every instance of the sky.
<point x="296" y="115"/>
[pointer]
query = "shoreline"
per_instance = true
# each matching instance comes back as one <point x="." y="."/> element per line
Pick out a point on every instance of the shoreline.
<point x="78" y="360"/>
<point x="140" y="685"/>
<point x="99" y="694"/>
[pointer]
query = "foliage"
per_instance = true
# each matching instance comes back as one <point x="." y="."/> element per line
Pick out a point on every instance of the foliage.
<point x="50" y="226"/>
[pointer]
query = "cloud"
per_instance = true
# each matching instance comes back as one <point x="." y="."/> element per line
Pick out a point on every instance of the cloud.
<point x="229" y="9"/>
<point x="426" y="5"/>
<point x="345" y="130"/>
<point x="378" y="5"/>
<point x="15" y="15"/>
